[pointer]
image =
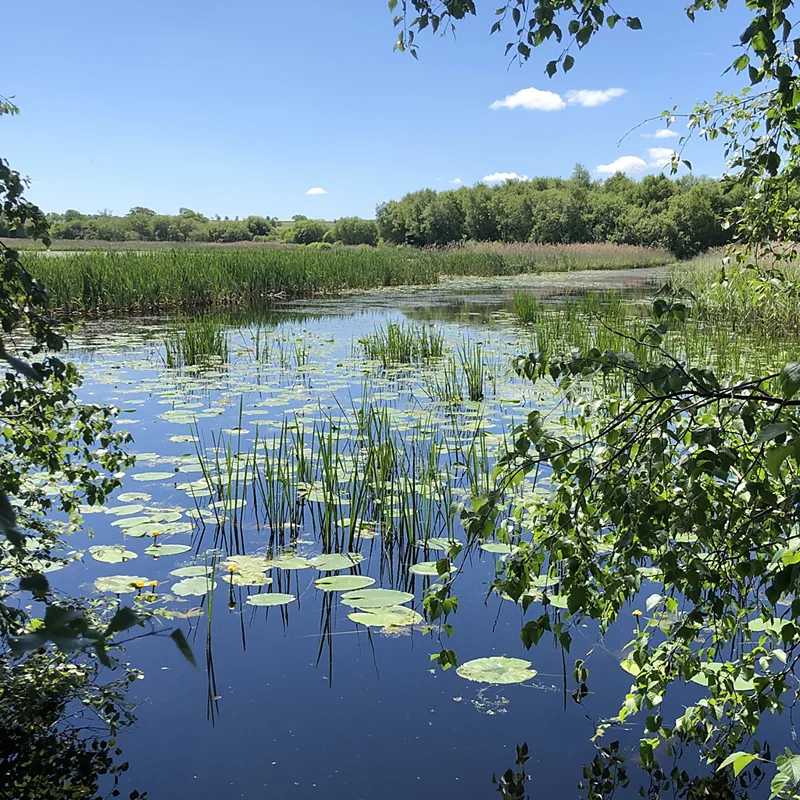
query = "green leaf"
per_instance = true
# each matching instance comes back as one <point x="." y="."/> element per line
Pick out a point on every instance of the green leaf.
<point x="36" y="584"/>
<point x="178" y="637"/>
<point x="634" y="23"/>
<point x="569" y="63"/>
<point x="771" y="431"/>
<point x="738" y="761"/>
<point x="124" y="619"/>
<point x="789" y="380"/>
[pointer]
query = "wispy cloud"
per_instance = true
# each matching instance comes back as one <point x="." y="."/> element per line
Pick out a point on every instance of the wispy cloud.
<point x="590" y="98"/>
<point x="532" y="99"/>
<point x="502" y="177"/>
<point x="457" y="181"/>
<point x="662" y="133"/>
<point x="316" y="190"/>
<point x="623" y="164"/>
<point x="659" y="156"/>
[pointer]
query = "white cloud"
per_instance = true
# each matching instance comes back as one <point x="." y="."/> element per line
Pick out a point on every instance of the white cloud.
<point x="665" y="133"/>
<point x="532" y="100"/>
<point x="590" y="98"/>
<point x="659" y="156"/>
<point x="457" y="181"/>
<point x="501" y="177"/>
<point x="316" y="190"/>
<point x="624" y="164"/>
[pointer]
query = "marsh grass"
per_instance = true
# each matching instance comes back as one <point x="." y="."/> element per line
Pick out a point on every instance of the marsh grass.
<point x="196" y="342"/>
<point x="190" y="277"/>
<point x="401" y="343"/>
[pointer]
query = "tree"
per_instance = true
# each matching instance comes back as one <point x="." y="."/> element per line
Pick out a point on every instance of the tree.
<point x="308" y="231"/>
<point x="353" y="231"/>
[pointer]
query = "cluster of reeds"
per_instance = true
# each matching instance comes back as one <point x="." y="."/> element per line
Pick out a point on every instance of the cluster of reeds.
<point x="191" y="277"/>
<point x="401" y="343"/>
<point x="195" y="342"/>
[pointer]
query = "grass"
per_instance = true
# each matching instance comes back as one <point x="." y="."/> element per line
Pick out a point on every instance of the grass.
<point x="526" y="308"/>
<point x="190" y="277"/>
<point x="399" y="343"/>
<point x="194" y="342"/>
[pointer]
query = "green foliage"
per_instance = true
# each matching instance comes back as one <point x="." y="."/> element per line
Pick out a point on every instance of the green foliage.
<point x="353" y="231"/>
<point x="683" y="216"/>
<point x="308" y="231"/>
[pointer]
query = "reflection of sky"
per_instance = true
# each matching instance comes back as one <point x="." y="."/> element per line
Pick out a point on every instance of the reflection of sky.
<point x="350" y="713"/>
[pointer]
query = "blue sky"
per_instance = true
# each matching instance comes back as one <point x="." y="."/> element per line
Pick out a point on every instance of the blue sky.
<point x="241" y="107"/>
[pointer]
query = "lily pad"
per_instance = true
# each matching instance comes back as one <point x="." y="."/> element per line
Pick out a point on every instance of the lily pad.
<point x="111" y="554"/>
<point x="496" y="670"/>
<point x="191" y="572"/>
<point x="292" y="562"/>
<point x="153" y="476"/>
<point x="428" y="568"/>
<point x="376" y="598"/>
<point x="158" y="550"/>
<point x="130" y="522"/>
<point x="388" y="617"/>
<point x="249" y="578"/>
<point x="343" y="583"/>
<point x="125" y="511"/>
<point x="498" y="547"/>
<point x="197" y="586"/>
<point x="436" y="543"/>
<point x="119" y="584"/>
<point x="270" y="599"/>
<point x="333" y="562"/>
<point x="133" y="497"/>
<point x="183" y="438"/>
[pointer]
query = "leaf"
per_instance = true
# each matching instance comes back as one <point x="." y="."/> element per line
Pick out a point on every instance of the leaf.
<point x="184" y="649"/>
<point x="157" y="550"/>
<point x="387" y="617"/>
<point x="120" y="584"/>
<point x="771" y="431"/>
<point x="36" y="584"/>
<point x="124" y="618"/>
<point x="775" y="457"/>
<point x="111" y="554"/>
<point x="497" y="670"/>
<point x="569" y="62"/>
<point x="343" y="583"/>
<point x="431" y="568"/>
<point x="333" y="562"/>
<point x="197" y="586"/>
<point x="789" y="380"/>
<point x="153" y="476"/>
<point x="634" y="23"/>
<point x="738" y="761"/>
<point x="270" y="599"/>
<point x="376" y="598"/>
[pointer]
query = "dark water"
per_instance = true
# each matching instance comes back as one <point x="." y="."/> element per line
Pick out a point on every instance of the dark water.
<point x="298" y="701"/>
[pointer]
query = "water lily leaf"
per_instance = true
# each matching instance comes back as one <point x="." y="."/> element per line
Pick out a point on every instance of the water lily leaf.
<point x="133" y="497"/>
<point x="376" y="598"/>
<point x="191" y="572"/>
<point x="740" y="684"/>
<point x="166" y="516"/>
<point x="436" y="543"/>
<point x="292" y="562"/>
<point x="124" y="511"/>
<point x="388" y="617"/>
<point x="428" y="568"/>
<point x="119" y="584"/>
<point x="153" y="476"/>
<point x="158" y="550"/>
<point x="158" y="528"/>
<point x="183" y="438"/>
<point x="111" y="554"/>
<point x="498" y="547"/>
<point x="343" y="583"/>
<point x="130" y="522"/>
<point x="336" y="561"/>
<point x="270" y="599"/>
<point x="496" y="670"/>
<point x="248" y="563"/>
<point x="197" y="586"/>
<point x="246" y="578"/>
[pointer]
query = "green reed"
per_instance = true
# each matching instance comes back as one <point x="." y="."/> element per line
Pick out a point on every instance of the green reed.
<point x="194" y="342"/>
<point x="190" y="277"/>
<point x="474" y="368"/>
<point x="400" y="343"/>
<point x="526" y="307"/>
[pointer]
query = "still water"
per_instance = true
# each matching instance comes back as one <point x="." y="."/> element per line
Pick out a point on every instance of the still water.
<point x="298" y="700"/>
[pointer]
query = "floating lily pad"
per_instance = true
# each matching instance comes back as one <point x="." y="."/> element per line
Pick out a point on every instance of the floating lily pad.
<point x="165" y="516"/>
<point x="133" y="497"/>
<point x="130" y="522"/>
<point x="428" y="568"/>
<point x="158" y="550"/>
<point x="292" y="562"/>
<point x="270" y="599"/>
<point x="197" y="586"/>
<point x="248" y="563"/>
<point x="388" y="617"/>
<point x="191" y="572"/>
<point x="119" y="584"/>
<point x="183" y="438"/>
<point x="376" y="598"/>
<point x="343" y="583"/>
<point x="336" y="561"/>
<point x="436" y="543"/>
<point x="250" y="578"/>
<point x="124" y="511"/>
<point x="498" y="547"/>
<point x="153" y="476"/>
<point x="496" y="670"/>
<point x="111" y="554"/>
<point x="740" y="684"/>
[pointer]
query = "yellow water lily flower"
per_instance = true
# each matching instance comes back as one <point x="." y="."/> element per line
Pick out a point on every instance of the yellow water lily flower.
<point x="636" y="613"/>
<point x="139" y="584"/>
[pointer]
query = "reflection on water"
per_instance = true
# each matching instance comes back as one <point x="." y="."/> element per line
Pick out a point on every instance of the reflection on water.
<point x="252" y="473"/>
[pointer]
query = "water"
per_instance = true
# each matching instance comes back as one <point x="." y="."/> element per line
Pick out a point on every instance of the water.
<point x="298" y="701"/>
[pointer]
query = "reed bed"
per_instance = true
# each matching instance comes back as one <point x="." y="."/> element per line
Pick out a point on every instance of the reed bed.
<point x="187" y="278"/>
<point x="399" y="343"/>
<point x="193" y="342"/>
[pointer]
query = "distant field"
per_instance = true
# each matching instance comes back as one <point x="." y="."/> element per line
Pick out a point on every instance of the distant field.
<point x="144" y="278"/>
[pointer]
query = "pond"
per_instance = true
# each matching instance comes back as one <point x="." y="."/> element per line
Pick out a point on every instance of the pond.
<point x="279" y="483"/>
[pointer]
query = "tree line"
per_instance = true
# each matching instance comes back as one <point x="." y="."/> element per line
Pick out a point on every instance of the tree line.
<point x="686" y="215"/>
